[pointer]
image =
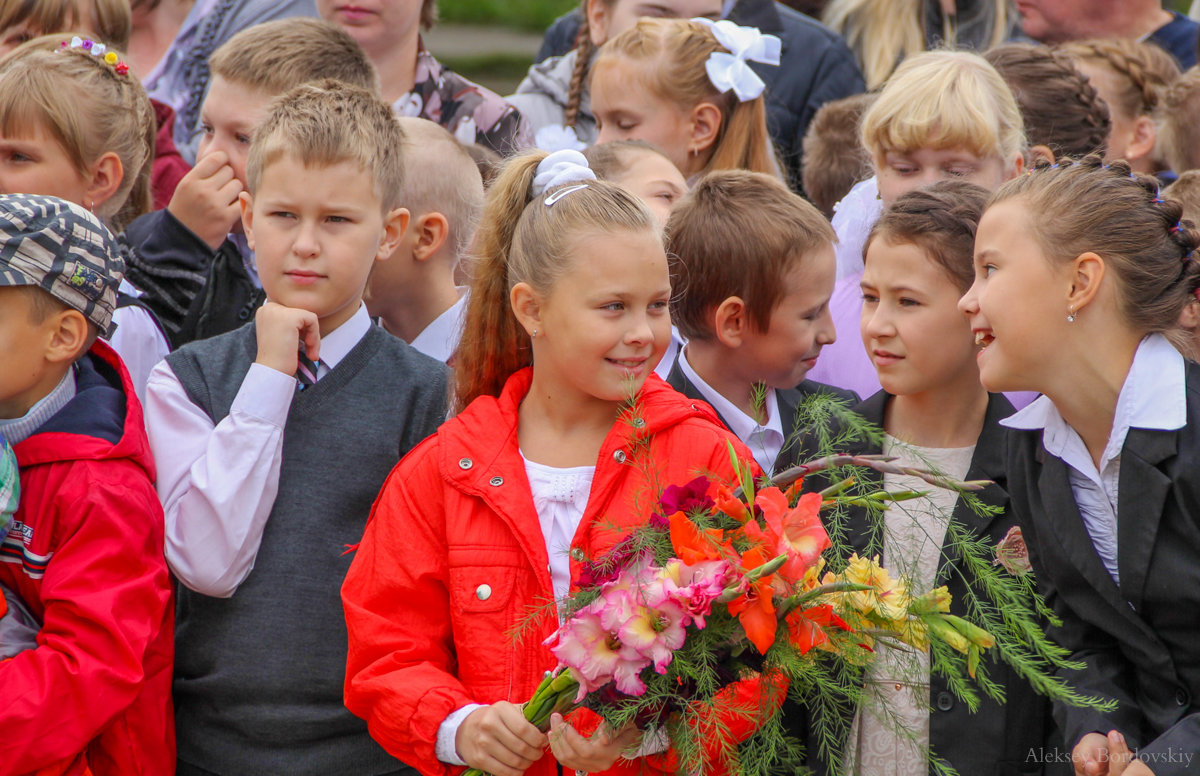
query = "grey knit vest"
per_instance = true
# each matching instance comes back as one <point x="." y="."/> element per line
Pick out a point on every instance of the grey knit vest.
<point x="259" y="675"/>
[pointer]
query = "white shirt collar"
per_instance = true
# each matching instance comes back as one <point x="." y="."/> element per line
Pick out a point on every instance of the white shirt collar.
<point x="338" y="343"/>
<point x="741" y="424"/>
<point x="1154" y="396"/>
<point x="441" y="337"/>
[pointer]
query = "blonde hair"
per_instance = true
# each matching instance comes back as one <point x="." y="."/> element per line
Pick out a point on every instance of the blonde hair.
<point x="1178" y="119"/>
<point x="277" y="56"/>
<point x="110" y="20"/>
<point x="883" y="33"/>
<point x="674" y="52"/>
<point x="328" y="122"/>
<point x="440" y="176"/>
<point x="522" y="240"/>
<point x="945" y="99"/>
<point x="89" y="109"/>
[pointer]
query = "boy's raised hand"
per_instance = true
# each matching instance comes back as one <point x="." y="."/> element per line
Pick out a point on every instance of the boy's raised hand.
<point x="497" y="739"/>
<point x="206" y="199"/>
<point x="281" y="332"/>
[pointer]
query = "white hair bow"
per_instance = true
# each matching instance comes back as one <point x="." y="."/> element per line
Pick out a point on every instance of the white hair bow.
<point x="560" y="168"/>
<point x="745" y="44"/>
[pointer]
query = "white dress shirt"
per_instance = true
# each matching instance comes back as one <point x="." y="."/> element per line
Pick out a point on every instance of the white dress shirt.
<point x="1154" y="396"/>
<point x="441" y="337"/>
<point x="765" y="441"/>
<point x="668" y="358"/>
<point x="218" y="484"/>
<point x="138" y="341"/>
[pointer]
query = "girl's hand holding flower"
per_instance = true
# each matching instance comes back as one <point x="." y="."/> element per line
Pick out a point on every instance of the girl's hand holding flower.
<point x="497" y="739"/>
<point x="589" y="755"/>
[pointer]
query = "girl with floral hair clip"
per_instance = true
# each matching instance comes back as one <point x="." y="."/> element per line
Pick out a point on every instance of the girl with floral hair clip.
<point x="686" y="86"/>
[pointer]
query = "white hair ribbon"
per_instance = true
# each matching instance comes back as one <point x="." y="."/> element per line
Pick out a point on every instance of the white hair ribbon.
<point x="745" y="44"/>
<point x="559" y="169"/>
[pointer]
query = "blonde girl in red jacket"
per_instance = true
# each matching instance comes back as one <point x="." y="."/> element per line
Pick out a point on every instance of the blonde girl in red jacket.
<point x="544" y="467"/>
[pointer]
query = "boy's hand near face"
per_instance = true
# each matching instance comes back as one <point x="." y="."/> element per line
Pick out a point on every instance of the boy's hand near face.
<point x="206" y="200"/>
<point x="281" y="332"/>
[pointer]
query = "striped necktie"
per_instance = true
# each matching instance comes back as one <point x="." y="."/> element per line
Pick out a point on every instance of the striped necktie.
<point x="306" y="371"/>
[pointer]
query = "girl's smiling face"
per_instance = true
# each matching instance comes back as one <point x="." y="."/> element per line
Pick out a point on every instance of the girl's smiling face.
<point x="1016" y="307"/>
<point x="899" y="172"/>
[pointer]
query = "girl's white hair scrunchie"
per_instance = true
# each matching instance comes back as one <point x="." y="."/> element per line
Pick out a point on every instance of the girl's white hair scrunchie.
<point x="745" y="44"/>
<point x="559" y="169"/>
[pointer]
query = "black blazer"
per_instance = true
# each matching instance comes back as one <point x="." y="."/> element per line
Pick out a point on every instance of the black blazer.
<point x="789" y="400"/>
<point x="1019" y="736"/>
<point x="1140" y="641"/>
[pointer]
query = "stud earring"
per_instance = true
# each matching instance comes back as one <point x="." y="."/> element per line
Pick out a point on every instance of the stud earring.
<point x="534" y="334"/>
<point x="1070" y="315"/>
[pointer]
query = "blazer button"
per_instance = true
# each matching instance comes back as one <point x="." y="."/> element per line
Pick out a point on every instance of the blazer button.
<point x="1182" y="697"/>
<point x="945" y="701"/>
<point x="465" y="463"/>
<point x="483" y="592"/>
<point x="619" y="456"/>
<point x="496" y="482"/>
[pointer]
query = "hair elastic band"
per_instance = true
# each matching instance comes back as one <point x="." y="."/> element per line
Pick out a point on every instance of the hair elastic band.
<point x="97" y="50"/>
<point x="1177" y="228"/>
<point x="559" y="169"/>
<point x="746" y="44"/>
<point x="1156" y="201"/>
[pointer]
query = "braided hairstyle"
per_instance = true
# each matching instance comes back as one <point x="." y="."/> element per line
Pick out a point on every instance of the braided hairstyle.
<point x="584" y="48"/>
<point x="1085" y="205"/>
<point x="1060" y="107"/>
<point x="940" y="220"/>
<point x="1144" y="70"/>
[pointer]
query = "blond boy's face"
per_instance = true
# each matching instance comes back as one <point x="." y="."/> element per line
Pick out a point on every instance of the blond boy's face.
<point x="903" y="171"/>
<point x="230" y="113"/>
<point x="23" y="354"/>
<point x="316" y="233"/>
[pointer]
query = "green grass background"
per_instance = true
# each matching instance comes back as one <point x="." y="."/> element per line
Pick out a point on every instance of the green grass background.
<point x="531" y="15"/>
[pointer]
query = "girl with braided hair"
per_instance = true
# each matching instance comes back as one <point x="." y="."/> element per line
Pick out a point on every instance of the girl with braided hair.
<point x="1080" y="270"/>
<point x="1130" y="76"/>
<point x="555" y="92"/>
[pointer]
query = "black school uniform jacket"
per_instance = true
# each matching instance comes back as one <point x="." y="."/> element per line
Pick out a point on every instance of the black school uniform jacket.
<point x="1140" y="641"/>
<point x="1018" y="737"/>
<point x="789" y="401"/>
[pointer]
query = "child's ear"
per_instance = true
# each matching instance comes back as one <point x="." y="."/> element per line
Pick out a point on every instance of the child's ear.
<point x="527" y="306"/>
<point x="1018" y="163"/>
<point x="247" y="204"/>
<point x="106" y="176"/>
<point x="395" y="223"/>
<point x="730" y="322"/>
<point x="67" y="338"/>
<point x="597" y="16"/>
<point x="1037" y="152"/>
<point x="432" y="231"/>
<point x="706" y="126"/>
<point x="1141" y="142"/>
<point x="1087" y="274"/>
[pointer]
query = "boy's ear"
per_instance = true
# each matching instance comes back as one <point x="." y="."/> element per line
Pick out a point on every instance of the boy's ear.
<point x="395" y="223"/>
<point x="431" y="231"/>
<point x="730" y="321"/>
<point x="247" y="204"/>
<point x="1018" y="164"/>
<point x="106" y="177"/>
<point x="68" y="335"/>
<point x="706" y="126"/>
<point x="527" y="306"/>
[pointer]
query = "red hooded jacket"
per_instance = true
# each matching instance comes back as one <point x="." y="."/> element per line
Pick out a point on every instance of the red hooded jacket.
<point x="85" y="553"/>
<point x="426" y="636"/>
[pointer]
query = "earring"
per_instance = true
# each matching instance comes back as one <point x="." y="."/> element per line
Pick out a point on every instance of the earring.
<point x="1070" y="315"/>
<point x="534" y="334"/>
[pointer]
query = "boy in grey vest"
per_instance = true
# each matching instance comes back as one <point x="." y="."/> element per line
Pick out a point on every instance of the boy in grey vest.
<point x="273" y="440"/>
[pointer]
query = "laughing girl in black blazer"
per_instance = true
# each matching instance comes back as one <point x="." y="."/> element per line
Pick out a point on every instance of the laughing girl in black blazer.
<point x="1080" y="269"/>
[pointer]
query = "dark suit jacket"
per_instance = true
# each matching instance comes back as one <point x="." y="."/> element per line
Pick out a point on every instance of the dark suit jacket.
<point x="1140" y="641"/>
<point x="789" y="402"/>
<point x="1018" y="737"/>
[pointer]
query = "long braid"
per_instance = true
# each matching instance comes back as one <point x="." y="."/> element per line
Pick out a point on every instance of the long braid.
<point x="583" y="54"/>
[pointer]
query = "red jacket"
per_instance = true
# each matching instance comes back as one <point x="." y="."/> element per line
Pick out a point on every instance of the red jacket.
<point x="456" y="515"/>
<point x="85" y="552"/>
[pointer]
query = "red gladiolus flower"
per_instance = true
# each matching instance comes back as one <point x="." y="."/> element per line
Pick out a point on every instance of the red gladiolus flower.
<point x="807" y="627"/>
<point x="692" y="545"/>
<point x="796" y="531"/>
<point x="755" y="609"/>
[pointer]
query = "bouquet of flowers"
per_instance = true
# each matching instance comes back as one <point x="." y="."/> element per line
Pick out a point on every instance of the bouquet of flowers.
<point x="698" y="623"/>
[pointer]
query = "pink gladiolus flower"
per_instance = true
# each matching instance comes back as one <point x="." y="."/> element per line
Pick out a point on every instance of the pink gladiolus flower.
<point x="655" y="632"/>
<point x="700" y="585"/>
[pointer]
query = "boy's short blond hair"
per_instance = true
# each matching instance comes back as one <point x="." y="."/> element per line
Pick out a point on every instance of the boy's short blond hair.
<point x="944" y="100"/>
<point x="834" y="159"/>
<point x="1178" y="119"/>
<point x="441" y="177"/>
<point x="328" y="122"/>
<point x="275" y="57"/>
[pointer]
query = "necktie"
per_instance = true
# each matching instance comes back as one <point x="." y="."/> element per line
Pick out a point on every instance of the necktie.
<point x="306" y="371"/>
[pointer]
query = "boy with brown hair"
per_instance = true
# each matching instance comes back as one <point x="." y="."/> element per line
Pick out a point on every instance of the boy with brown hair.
<point x="414" y="293"/>
<point x="84" y="552"/>
<point x="1178" y="119"/>
<point x="275" y="439"/>
<point x="191" y="260"/>
<point x="755" y="266"/>
<point x="834" y="158"/>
